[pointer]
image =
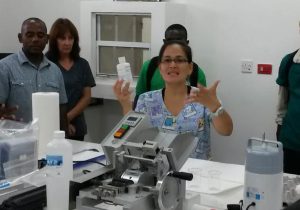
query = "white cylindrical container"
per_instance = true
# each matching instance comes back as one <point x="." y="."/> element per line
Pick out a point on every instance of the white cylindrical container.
<point x="59" y="171"/>
<point x="263" y="184"/>
<point x="263" y="189"/>
<point x="45" y="107"/>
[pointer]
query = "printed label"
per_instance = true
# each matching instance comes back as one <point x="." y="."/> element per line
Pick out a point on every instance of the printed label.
<point x="254" y="193"/>
<point x="54" y="160"/>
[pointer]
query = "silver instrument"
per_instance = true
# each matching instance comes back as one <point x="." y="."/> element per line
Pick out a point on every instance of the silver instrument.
<point x="146" y="163"/>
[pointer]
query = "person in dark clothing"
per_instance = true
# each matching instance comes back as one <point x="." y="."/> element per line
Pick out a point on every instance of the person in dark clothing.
<point x="64" y="51"/>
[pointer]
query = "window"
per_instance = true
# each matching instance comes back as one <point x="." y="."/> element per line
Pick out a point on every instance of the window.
<point x="121" y="34"/>
<point x="110" y="29"/>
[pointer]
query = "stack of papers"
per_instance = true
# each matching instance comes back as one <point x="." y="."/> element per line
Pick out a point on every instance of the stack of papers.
<point x="86" y="157"/>
<point x="213" y="177"/>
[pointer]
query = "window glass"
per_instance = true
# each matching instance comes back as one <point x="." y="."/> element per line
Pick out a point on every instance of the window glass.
<point x="108" y="58"/>
<point x="107" y="29"/>
<point x="121" y="35"/>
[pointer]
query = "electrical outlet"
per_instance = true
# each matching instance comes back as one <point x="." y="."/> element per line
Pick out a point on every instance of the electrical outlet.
<point x="247" y="66"/>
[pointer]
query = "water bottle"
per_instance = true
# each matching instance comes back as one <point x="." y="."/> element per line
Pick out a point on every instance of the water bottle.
<point x="124" y="70"/>
<point x="59" y="171"/>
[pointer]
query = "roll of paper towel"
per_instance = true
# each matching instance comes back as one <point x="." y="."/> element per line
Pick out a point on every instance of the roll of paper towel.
<point x="45" y="107"/>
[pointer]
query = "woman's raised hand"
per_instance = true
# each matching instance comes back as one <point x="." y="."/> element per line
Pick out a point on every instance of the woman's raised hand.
<point x="206" y="96"/>
<point x="123" y="94"/>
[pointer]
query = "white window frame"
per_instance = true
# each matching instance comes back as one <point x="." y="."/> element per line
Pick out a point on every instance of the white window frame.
<point x="162" y="15"/>
<point x="101" y="43"/>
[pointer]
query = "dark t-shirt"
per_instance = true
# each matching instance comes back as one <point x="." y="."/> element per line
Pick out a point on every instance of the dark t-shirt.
<point x="76" y="79"/>
<point x="290" y="132"/>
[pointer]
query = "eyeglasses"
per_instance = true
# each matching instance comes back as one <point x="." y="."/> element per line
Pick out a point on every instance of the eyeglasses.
<point x="176" y="60"/>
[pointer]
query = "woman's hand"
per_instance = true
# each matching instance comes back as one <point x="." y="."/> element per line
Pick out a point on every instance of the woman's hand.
<point x="123" y="94"/>
<point x="72" y="130"/>
<point x="206" y="96"/>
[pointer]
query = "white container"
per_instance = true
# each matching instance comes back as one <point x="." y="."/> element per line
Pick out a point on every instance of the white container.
<point x="48" y="121"/>
<point x="59" y="171"/>
<point x="265" y="190"/>
<point x="124" y="70"/>
<point x="263" y="175"/>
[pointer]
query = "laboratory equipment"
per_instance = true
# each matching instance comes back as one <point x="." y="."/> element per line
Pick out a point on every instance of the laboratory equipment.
<point x="18" y="149"/>
<point x="291" y="188"/>
<point x="146" y="163"/>
<point x="263" y="185"/>
<point x="18" y="156"/>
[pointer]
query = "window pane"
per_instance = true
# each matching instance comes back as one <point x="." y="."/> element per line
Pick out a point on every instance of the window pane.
<point x="146" y="29"/>
<point x="125" y="28"/>
<point x="107" y="27"/>
<point x="109" y="59"/>
<point x="119" y="29"/>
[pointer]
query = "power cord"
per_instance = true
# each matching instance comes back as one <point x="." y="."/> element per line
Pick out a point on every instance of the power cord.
<point x="241" y="204"/>
<point x="85" y="171"/>
<point x="235" y="206"/>
<point x="251" y="204"/>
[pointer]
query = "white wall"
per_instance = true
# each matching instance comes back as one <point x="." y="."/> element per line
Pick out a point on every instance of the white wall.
<point x="221" y="33"/>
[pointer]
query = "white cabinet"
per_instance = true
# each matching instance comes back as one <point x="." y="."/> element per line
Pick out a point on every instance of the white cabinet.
<point x="133" y="29"/>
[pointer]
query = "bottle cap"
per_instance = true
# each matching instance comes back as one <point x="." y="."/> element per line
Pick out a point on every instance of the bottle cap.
<point x="59" y="134"/>
<point x="122" y="59"/>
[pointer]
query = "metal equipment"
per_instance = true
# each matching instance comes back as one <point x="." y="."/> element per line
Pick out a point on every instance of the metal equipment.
<point x="146" y="163"/>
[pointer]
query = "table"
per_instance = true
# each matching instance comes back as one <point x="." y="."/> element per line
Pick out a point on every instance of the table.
<point x="214" y="184"/>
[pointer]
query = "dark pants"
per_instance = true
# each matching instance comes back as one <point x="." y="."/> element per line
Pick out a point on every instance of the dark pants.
<point x="291" y="161"/>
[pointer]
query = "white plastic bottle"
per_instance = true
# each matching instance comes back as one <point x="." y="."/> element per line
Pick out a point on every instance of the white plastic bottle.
<point x="124" y="70"/>
<point x="59" y="171"/>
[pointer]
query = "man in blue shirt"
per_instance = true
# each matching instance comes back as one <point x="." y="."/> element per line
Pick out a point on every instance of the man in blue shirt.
<point x="29" y="71"/>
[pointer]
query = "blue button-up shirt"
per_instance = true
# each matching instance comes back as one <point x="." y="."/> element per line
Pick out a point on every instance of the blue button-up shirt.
<point x="19" y="78"/>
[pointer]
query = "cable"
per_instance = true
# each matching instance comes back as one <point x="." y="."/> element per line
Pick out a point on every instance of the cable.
<point x="90" y="161"/>
<point x="241" y="204"/>
<point x="86" y="171"/>
<point x="109" y="203"/>
<point x="251" y="204"/>
<point x="94" y="150"/>
<point x="233" y="207"/>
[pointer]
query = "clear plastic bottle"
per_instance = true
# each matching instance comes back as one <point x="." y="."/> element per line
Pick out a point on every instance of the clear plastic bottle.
<point x="59" y="171"/>
<point x="124" y="70"/>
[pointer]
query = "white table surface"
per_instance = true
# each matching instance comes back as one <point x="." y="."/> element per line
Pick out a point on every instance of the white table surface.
<point x="214" y="184"/>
